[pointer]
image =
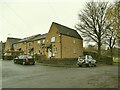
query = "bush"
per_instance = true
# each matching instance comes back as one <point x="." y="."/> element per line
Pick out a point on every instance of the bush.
<point x="65" y="61"/>
<point x="105" y="60"/>
<point x="8" y="57"/>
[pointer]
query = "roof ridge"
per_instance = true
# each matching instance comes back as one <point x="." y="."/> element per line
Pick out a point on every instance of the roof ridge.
<point x="12" y="38"/>
<point x="64" y="26"/>
<point x="67" y="31"/>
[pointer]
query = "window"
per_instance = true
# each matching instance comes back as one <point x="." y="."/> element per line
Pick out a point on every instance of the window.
<point x="15" y="45"/>
<point x="39" y="42"/>
<point x="24" y="43"/>
<point x="43" y="41"/>
<point x="52" y="39"/>
<point x="29" y="44"/>
<point x="89" y="57"/>
<point x="74" y="41"/>
<point x="54" y="50"/>
<point x="74" y="51"/>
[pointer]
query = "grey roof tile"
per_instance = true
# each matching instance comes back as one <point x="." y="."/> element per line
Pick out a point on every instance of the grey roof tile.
<point x="67" y="31"/>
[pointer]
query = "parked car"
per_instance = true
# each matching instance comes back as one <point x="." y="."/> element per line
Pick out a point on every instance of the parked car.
<point x="86" y="60"/>
<point x="24" y="59"/>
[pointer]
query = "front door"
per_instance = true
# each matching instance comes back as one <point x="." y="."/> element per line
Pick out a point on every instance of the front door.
<point x="49" y="53"/>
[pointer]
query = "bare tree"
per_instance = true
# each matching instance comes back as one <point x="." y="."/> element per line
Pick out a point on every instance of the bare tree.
<point x="110" y="40"/>
<point x="117" y="16"/>
<point x="113" y="32"/>
<point x="93" y="23"/>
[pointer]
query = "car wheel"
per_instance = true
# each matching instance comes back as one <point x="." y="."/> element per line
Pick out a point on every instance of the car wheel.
<point x="94" y="65"/>
<point x="89" y="65"/>
<point x="15" y="62"/>
<point x="80" y="65"/>
<point x="33" y="63"/>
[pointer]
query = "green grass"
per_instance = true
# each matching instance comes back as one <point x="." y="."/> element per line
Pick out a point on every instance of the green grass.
<point x="116" y="60"/>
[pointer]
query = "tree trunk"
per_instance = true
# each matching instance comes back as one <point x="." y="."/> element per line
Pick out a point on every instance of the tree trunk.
<point x="99" y="51"/>
<point x="111" y="52"/>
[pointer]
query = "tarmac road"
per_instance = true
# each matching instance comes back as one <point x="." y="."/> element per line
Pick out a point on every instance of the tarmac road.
<point x="41" y="76"/>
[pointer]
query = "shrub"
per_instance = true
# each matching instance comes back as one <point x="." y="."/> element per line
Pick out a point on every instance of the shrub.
<point x="8" y="58"/>
<point x="65" y="61"/>
<point x="105" y="60"/>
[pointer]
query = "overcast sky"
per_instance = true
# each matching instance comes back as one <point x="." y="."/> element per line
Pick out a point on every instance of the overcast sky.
<point x="23" y="18"/>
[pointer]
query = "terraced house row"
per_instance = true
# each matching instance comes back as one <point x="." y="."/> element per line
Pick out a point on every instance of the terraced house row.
<point x="59" y="42"/>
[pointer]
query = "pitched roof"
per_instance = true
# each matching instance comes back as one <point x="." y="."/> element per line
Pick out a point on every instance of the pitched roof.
<point x="29" y="38"/>
<point x="13" y="40"/>
<point x="67" y="31"/>
<point x="40" y="37"/>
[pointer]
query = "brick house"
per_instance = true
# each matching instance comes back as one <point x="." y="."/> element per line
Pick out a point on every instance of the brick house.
<point x="59" y="42"/>
<point x="25" y="44"/>
<point x="9" y="52"/>
<point x="31" y="45"/>
<point x="39" y="44"/>
<point x="63" y="42"/>
<point x="9" y="44"/>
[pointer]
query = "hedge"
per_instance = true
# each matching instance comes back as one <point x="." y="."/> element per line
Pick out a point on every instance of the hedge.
<point x="72" y="61"/>
<point x="106" y="60"/>
<point x="65" y="61"/>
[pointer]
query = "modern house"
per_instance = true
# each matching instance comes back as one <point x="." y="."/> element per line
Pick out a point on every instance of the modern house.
<point x="63" y="42"/>
<point x="39" y="44"/>
<point x="9" y="42"/>
<point x="31" y="45"/>
<point x="8" y="48"/>
<point x="60" y="42"/>
<point x="25" y="44"/>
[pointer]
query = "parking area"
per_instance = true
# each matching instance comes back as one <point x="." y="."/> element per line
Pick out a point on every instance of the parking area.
<point x="45" y="76"/>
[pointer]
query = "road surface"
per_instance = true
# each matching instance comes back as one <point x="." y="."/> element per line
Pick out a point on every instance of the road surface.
<point x="41" y="76"/>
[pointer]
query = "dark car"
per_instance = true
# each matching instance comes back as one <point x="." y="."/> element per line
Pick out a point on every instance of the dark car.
<point x="24" y="59"/>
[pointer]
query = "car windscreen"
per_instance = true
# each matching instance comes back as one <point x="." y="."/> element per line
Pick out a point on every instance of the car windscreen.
<point x="82" y="57"/>
<point x="24" y="57"/>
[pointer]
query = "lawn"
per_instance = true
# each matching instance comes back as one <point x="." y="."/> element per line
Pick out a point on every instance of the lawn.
<point x="116" y="60"/>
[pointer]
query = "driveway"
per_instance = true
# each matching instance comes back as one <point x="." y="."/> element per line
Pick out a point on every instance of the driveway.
<point x="42" y="76"/>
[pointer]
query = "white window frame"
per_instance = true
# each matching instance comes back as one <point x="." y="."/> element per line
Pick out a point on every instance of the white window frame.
<point x="74" y="51"/>
<point x="43" y="41"/>
<point x="54" y="50"/>
<point x="39" y="41"/>
<point x="52" y="39"/>
<point x="73" y="40"/>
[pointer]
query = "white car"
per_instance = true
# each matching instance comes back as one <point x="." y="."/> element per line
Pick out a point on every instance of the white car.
<point x="86" y="60"/>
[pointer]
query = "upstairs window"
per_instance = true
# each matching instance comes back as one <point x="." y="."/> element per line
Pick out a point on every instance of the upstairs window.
<point x="15" y="45"/>
<point x="74" y="51"/>
<point x="74" y="41"/>
<point x="39" y="42"/>
<point x="52" y="39"/>
<point x="43" y="41"/>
